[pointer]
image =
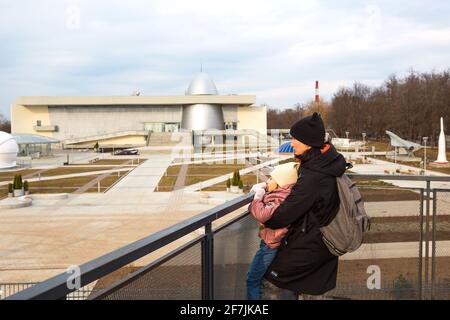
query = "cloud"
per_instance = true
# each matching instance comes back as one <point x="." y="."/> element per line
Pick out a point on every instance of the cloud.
<point x="273" y="50"/>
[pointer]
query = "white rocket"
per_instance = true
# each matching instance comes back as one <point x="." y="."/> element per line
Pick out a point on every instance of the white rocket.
<point x="442" y="156"/>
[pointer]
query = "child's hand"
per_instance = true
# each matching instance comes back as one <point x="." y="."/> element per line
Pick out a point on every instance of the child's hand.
<point x="261" y="185"/>
<point x="259" y="194"/>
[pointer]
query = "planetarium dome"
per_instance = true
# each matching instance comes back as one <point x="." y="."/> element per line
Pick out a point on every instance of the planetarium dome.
<point x="201" y="84"/>
<point x="8" y="150"/>
<point x="202" y="116"/>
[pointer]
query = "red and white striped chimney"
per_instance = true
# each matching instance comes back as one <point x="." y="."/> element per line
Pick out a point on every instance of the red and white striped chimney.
<point x="317" y="99"/>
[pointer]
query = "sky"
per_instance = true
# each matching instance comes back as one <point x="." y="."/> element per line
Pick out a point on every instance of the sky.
<point x="272" y="49"/>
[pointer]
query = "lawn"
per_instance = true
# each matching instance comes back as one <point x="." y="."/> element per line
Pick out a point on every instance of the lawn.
<point x="201" y="172"/>
<point x="5" y="176"/>
<point x="68" y="185"/>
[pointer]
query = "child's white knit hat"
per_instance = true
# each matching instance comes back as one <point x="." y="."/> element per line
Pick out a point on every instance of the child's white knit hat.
<point x="285" y="174"/>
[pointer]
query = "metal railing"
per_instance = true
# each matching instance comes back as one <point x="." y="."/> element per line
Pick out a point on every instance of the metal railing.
<point x="209" y="254"/>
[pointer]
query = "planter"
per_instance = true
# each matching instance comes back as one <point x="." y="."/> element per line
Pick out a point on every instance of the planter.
<point x="18" y="192"/>
<point x="241" y="191"/>
<point x="27" y="193"/>
<point x="234" y="189"/>
<point x="10" y="195"/>
<point x="228" y="189"/>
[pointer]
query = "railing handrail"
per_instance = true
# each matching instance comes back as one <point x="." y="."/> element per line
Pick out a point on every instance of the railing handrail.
<point x="400" y="177"/>
<point x="56" y="287"/>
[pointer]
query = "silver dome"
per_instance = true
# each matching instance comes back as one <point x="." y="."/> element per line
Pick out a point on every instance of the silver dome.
<point x="202" y="84"/>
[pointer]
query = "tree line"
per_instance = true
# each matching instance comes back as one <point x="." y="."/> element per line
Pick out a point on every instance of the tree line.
<point x="5" y="124"/>
<point x="410" y="106"/>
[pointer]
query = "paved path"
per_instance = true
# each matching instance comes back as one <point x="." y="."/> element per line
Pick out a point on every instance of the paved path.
<point x="94" y="182"/>
<point x="181" y="179"/>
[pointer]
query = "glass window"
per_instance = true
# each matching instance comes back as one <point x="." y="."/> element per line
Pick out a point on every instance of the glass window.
<point x="154" y="126"/>
<point x="172" y="127"/>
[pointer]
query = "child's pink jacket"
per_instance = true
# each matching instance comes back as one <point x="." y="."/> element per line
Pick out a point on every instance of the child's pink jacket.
<point x="263" y="210"/>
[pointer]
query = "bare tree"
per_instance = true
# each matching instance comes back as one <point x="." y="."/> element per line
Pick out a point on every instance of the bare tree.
<point x="5" y="124"/>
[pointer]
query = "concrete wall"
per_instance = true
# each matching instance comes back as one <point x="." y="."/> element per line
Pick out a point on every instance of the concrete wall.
<point x="252" y="118"/>
<point x="77" y="121"/>
<point x="24" y="118"/>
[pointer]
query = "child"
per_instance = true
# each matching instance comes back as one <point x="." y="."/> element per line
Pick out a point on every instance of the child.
<point x="283" y="178"/>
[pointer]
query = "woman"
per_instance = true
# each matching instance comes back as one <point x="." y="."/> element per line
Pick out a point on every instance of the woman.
<point x="303" y="264"/>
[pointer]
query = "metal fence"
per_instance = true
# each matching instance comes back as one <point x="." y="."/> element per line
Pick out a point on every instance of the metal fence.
<point x="9" y="289"/>
<point x="407" y="244"/>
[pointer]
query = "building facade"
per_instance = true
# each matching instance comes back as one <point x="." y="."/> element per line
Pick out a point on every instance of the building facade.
<point x="128" y="120"/>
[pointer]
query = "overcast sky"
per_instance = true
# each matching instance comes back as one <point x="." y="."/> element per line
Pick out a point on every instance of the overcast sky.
<point x="273" y="49"/>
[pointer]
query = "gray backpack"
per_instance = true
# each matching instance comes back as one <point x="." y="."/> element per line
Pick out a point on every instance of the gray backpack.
<point x="345" y="233"/>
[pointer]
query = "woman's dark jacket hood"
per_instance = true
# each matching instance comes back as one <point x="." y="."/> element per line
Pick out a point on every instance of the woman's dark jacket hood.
<point x="331" y="163"/>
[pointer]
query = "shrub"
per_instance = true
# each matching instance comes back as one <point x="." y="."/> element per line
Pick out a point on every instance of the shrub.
<point x="235" y="181"/>
<point x="241" y="185"/>
<point x="20" y="185"/>
<point x="10" y="188"/>
<point x="17" y="183"/>
<point x="228" y="183"/>
<point x="25" y="185"/>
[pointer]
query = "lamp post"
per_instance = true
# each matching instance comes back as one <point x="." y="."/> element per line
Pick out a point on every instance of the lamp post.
<point x="425" y="155"/>
<point x="348" y="145"/>
<point x="364" y="140"/>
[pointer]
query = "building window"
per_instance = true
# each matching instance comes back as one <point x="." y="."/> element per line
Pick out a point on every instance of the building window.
<point x="230" y="125"/>
<point x="172" y="127"/>
<point x="162" y="126"/>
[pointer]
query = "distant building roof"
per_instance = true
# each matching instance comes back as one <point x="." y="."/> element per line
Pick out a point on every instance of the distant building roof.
<point x="285" y="148"/>
<point x="202" y="84"/>
<point x="33" y="139"/>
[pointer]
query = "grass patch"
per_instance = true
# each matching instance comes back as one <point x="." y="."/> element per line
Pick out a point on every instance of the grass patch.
<point x="116" y="161"/>
<point x="173" y="170"/>
<point x="213" y="170"/>
<point x="248" y="180"/>
<point x="379" y="146"/>
<point x="9" y="176"/>
<point x="64" y="170"/>
<point x="76" y="182"/>
<point x="168" y="181"/>
<point x="377" y="190"/>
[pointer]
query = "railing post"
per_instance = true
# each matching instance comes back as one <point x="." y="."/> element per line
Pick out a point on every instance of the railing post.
<point x="420" y="243"/>
<point x="433" y="250"/>
<point x="208" y="264"/>
<point x="427" y="241"/>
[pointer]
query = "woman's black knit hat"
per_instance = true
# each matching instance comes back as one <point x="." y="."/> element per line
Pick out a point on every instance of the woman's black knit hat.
<point x="309" y="130"/>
